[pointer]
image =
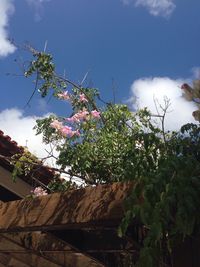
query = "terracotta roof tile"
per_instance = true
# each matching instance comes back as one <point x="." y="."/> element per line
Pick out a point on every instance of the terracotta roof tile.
<point x="9" y="147"/>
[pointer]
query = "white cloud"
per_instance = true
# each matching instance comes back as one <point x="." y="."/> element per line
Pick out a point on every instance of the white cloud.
<point x="162" y="8"/>
<point x="6" y="10"/>
<point x="144" y="91"/>
<point x="38" y="7"/>
<point x="20" y="129"/>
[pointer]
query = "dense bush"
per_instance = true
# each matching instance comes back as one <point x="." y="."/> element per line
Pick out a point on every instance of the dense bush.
<point x="105" y="143"/>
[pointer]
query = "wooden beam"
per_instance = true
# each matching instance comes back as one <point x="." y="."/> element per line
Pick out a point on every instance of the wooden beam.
<point x="97" y="240"/>
<point x="91" y="206"/>
<point x="43" y="249"/>
<point x="20" y="188"/>
<point x="9" y="246"/>
<point x="10" y="261"/>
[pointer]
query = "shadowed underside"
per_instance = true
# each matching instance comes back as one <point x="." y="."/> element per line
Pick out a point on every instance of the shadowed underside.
<point x="75" y="228"/>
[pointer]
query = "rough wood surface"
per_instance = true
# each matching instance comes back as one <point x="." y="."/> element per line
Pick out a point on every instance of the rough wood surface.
<point x="20" y="188"/>
<point x="86" y="207"/>
<point x="41" y="250"/>
<point x="10" y="261"/>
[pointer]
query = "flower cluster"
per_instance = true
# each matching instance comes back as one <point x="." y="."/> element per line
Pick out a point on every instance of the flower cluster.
<point x="56" y="125"/>
<point x="67" y="131"/>
<point x="95" y="114"/>
<point x="81" y="115"/>
<point x="64" y="130"/>
<point x="64" y="96"/>
<point x="82" y="98"/>
<point x="39" y="191"/>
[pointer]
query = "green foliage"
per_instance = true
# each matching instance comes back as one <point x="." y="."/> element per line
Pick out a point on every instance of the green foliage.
<point x="170" y="203"/>
<point x="122" y="146"/>
<point x="43" y="69"/>
<point x="61" y="185"/>
<point x="43" y="126"/>
<point x="23" y="164"/>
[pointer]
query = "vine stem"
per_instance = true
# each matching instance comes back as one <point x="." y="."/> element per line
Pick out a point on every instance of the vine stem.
<point x="40" y="165"/>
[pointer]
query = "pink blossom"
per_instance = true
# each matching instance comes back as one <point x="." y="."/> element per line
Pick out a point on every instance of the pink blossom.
<point x="71" y="119"/>
<point x="77" y="133"/>
<point x="39" y="191"/>
<point x="67" y="131"/>
<point x="95" y="114"/>
<point x="56" y="125"/>
<point x="81" y="115"/>
<point x="64" y="96"/>
<point x="83" y="98"/>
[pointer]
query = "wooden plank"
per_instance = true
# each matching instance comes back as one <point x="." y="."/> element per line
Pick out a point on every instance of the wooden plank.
<point x="8" y="246"/>
<point x="43" y="249"/>
<point x="87" y="207"/>
<point x="97" y="240"/>
<point x="8" y="261"/>
<point x="20" y="188"/>
<point x="4" y="259"/>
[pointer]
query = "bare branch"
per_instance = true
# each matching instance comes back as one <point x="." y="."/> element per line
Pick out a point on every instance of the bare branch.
<point x="34" y="91"/>
<point x="40" y="165"/>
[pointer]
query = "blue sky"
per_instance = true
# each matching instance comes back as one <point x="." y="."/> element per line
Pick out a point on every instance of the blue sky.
<point x="132" y="42"/>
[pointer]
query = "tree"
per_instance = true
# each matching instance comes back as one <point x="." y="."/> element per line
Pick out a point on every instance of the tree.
<point x="108" y="143"/>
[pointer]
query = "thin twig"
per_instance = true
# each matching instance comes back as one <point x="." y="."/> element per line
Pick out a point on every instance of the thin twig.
<point x="40" y="165"/>
<point x="34" y="91"/>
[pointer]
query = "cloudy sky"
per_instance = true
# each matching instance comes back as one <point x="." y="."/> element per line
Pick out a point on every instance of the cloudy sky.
<point x="145" y="49"/>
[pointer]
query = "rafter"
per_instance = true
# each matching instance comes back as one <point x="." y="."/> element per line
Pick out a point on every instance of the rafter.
<point x="45" y="250"/>
<point x="91" y="206"/>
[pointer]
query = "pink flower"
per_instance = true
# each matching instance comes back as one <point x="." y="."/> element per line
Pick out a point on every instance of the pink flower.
<point x="39" y="191"/>
<point x="72" y="119"/>
<point x="56" y="125"/>
<point x="67" y="131"/>
<point x="83" y="98"/>
<point x="81" y="115"/>
<point x="77" y="133"/>
<point x="95" y="114"/>
<point x="64" y="96"/>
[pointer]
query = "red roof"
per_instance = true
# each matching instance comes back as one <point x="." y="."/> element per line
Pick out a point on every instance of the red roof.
<point x="9" y="147"/>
